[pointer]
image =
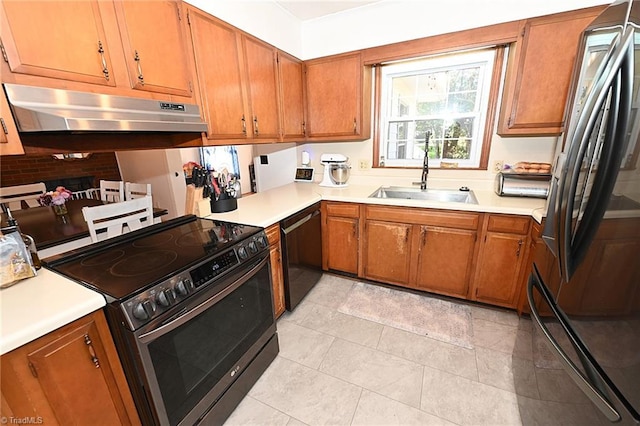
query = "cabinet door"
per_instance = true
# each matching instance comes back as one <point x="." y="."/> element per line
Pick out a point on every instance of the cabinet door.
<point x="262" y="87"/>
<point x="277" y="274"/>
<point x="335" y="98"/>
<point x="219" y="76"/>
<point x="498" y="268"/>
<point x="154" y="45"/>
<point x="342" y="245"/>
<point x="58" y="39"/>
<point x="539" y="74"/>
<point x="445" y="260"/>
<point x="70" y="375"/>
<point x="387" y="251"/>
<point x="292" y="96"/>
<point x="275" y="254"/>
<point x="9" y="138"/>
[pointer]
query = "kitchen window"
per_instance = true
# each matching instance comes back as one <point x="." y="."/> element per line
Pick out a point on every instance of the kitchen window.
<point x="449" y="97"/>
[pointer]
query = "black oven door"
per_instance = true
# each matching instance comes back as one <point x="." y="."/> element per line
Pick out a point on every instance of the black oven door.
<point x="194" y="353"/>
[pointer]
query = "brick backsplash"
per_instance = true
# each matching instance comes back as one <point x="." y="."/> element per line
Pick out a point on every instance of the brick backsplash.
<point x="23" y="169"/>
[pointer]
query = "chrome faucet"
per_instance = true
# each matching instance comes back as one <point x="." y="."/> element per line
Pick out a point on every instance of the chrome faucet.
<point x="425" y="163"/>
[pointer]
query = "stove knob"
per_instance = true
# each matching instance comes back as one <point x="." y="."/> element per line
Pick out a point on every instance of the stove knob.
<point x="166" y="297"/>
<point x="262" y="241"/>
<point x="242" y="252"/>
<point x="252" y="247"/>
<point x="182" y="288"/>
<point x="144" y="310"/>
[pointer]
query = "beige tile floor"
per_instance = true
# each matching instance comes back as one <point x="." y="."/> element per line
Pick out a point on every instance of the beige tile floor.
<point x="337" y="369"/>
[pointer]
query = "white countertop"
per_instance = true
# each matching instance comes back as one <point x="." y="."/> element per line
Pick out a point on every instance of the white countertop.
<point x="36" y="306"/>
<point x="39" y="305"/>
<point x="266" y="208"/>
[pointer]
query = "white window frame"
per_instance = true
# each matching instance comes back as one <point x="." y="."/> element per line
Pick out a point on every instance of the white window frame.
<point x="484" y="58"/>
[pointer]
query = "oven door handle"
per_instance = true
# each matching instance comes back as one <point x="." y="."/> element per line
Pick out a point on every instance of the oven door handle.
<point x="191" y="313"/>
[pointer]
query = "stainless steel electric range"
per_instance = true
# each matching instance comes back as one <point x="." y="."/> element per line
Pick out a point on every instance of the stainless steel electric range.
<point x="190" y="309"/>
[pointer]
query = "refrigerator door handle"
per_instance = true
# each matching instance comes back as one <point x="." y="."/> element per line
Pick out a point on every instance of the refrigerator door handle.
<point x="579" y="144"/>
<point x="611" y="157"/>
<point x="578" y="378"/>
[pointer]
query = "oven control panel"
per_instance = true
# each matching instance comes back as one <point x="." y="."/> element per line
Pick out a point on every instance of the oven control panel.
<point x="151" y="303"/>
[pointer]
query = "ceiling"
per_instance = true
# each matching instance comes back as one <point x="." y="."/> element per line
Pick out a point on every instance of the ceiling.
<point x="309" y="9"/>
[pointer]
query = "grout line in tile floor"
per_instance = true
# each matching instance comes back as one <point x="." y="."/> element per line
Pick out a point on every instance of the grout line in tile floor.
<point x="448" y="384"/>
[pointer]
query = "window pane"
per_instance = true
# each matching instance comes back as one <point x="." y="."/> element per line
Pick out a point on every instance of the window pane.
<point x="397" y="139"/>
<point x="462" y="102"/>
<point x="464" y="79"/>
<point x="458" y="138"/>
<point x="403" y="95"/>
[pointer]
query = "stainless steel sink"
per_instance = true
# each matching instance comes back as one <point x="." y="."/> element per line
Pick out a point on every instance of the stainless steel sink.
<point x="409" y="193"/>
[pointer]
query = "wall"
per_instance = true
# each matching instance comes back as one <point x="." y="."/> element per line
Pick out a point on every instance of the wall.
<point x="24" y="169"/>
<point x="263" y="19"/>
<point x="392" y="21"/>
<point x="383" y="22"/>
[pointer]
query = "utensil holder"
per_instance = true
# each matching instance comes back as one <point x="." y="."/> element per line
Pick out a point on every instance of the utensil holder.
<point x="224" y="205"/>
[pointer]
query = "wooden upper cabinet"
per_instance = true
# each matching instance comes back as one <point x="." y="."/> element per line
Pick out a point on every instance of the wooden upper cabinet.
<point x="262" y="87"/>
<point x="338" y="98"/>
<point x="290" y="73"/>
<point x="155" y="47"/>
<point x="63" y="40"/>
<point x="539" y="73"/>
<point x="9" y="138"/>
<point x="219" y="71"/>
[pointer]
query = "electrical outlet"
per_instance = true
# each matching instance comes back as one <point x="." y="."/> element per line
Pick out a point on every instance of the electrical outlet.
<point x="498" y="165"/>
<point x="364" y="164"/>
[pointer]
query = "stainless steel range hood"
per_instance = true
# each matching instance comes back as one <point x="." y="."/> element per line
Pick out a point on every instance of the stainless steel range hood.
<point x="39" y="109"/>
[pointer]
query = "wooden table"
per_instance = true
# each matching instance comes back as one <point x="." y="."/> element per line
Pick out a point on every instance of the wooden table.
<point x="49" y="230"/>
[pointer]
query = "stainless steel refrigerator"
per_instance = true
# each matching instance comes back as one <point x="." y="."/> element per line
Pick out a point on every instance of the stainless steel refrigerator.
<point x="584" y="292"/>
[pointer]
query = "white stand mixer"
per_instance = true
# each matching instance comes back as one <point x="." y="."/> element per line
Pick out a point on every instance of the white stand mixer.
<point x="330" y="161"/>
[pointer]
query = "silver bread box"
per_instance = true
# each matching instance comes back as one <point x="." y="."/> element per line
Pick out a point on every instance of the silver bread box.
<point x="511" y="184"/>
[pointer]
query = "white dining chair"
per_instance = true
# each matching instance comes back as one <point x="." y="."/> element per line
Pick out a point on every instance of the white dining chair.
<point x="91" y="193"/>
<point x="118" y="218"/>
<point x="111" y="191"/>
<point x="15" y="197"/>
<point x="136" y="190"/>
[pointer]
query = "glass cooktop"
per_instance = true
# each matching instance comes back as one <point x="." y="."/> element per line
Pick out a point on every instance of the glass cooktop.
<point x="125" y="265"/>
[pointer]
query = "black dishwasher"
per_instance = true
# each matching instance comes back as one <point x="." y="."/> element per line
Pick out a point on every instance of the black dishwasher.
<point x="302" y="252"/>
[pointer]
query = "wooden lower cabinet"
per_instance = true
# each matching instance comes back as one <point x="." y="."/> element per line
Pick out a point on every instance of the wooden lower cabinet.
<point x="340" y="237"/>
<point x="277" y="277"/>
<point x="502" y="260"/>
<point x="70" y="376"/>
<point x="445" y="260"/>
<point x="388" y="251"/>
<point x="468" y="255"/>
<point x="430" y="250"/>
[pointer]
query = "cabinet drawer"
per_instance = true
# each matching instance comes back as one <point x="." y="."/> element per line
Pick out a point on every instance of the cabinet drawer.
<point x="508" y="224"/>
<point x="343" y="209"/>
<point x="273" y="233"/>
<point x="443" y="218"/>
